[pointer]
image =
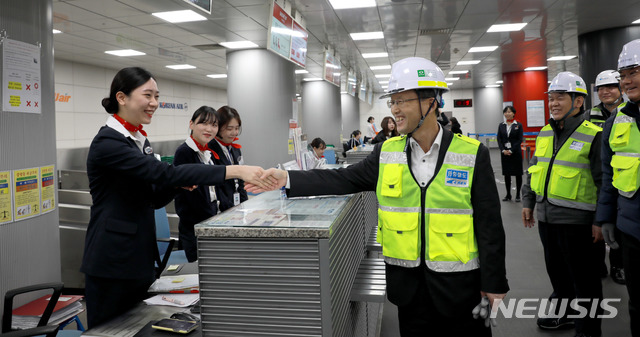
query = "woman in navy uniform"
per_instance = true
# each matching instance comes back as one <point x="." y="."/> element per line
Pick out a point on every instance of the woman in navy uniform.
<point x="127" y="183"/>
<point x="202" y="203"/>
<point x="509" y="140"/>
<point x="229" y="127"/>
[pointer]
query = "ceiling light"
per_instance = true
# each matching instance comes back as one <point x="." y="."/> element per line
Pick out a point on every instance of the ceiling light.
<point x="534" y="68"/>
<point x="383" y="76"/>
<point x="55" y="31"/>
<point x="453" y="72"/>
<point x="180" y="16"/>
<point x="383" y="82"/>
<point x="336" y="74"/>
<point x="302" y="71"/>
<point x="217" y="75"/>
<point x="561" y="58"/>
<point x="345" y="4"/>
<point x="124" y="52"/>
<point x="385" y="86"/>
<point x="238" y="44"/>
<point x="367" y="36"/>
<point x="374" y="55"/>
<point x="312" y="79"/>
<point x="499" y="82"/>
<point x="482" y="49"/>
<point x="181" y="66"/>
<point x="635" y="22"/>
<point x="380" y="67"/>
<point x="463" y="63"/>
<point x="509" y="27"/>
<point x="492" y="86"/>
<point x="451" y="78"/>
<point x="449" y="83"/>
<point x="343" y="92"/>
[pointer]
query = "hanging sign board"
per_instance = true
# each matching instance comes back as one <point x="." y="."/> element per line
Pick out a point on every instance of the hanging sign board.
<point x="332" y="68"/>
<point x="280" y="31"/>
<point x="299" y="37"/>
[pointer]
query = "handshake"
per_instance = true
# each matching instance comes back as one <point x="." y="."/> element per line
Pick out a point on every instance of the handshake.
<point x="256" y="179"/>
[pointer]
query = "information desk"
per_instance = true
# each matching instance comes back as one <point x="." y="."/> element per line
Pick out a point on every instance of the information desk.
<point x="285" y="267"/>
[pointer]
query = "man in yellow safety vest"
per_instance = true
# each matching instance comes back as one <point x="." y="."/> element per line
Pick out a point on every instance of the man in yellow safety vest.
<point x="562" y="182"/>
<point x="439" y="216"/>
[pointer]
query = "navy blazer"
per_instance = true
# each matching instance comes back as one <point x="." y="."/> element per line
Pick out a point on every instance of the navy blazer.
<point x="126" y="186"/>
<point x="193" y="206"/>
<point x="515" y="137"/>
<point x="228" y="188"/>
<point x="403" y="283"/>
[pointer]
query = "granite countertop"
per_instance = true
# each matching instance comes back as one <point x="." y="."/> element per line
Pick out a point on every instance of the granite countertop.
<point x="269" y="215"/>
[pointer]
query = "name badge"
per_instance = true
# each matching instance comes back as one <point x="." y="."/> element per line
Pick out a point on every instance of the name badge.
<point x="575" y="145"/>
<point x="236" y="199"/>
<point x="457" y="178"/>
<point x="148" y="150"/>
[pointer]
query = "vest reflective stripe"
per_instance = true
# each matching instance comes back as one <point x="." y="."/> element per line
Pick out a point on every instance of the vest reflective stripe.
<point x="571" y="183"/>
<point x="625" y="162"/>
<point x="453" y="266"/>
<point x="450" y="243"/>
<point x="428" y="210"/>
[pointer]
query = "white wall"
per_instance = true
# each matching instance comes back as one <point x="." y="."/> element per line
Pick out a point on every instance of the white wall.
<point x="80" y="88"/>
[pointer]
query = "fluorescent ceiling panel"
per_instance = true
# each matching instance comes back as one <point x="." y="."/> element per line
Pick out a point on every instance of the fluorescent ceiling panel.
<point x="509" y="27"/>
<point x="534" y="68"/>
<point x="302" y="71"/>
<point x="345" y="4"/>
<point x="483" y="49"/>
<point x="179" y="16"/>
<point x="453" y="72"/>
<point x="367" y="36"/>
<point x="463" y="63"/>
<point x="374" y="55"/>
<point x="380" y="67"/>
<point x="217" y="75"/>
<point x="561" y="58"/>
<point x="181" y="66"/>
<point x="124" y="52"/>
<point x="238" y="44"/>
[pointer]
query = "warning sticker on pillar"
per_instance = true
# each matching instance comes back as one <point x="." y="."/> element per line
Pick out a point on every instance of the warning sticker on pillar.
<point x="21" y="77"/>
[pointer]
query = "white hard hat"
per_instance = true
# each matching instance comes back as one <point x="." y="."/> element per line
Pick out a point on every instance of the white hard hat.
<point x="630" y="55"/>
<point x="607" y="77"/>
<point x="567" y="81"/>
<point x="415" y="73"/>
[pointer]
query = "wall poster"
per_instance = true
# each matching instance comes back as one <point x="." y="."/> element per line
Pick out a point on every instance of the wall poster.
<point x="21" y="77"/>
<point x="26" y="193"/>
<point x="48" y="187"/>
<point x="6" y="213"/>
<point x="535" y="113"/>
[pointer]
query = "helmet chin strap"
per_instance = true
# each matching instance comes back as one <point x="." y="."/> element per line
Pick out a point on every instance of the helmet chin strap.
<point x="573" y="99"/>
<point x="435" y="99"/>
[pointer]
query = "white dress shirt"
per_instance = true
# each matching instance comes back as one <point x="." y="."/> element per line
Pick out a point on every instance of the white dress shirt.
<point x="205" y="158"/>
<point x="423" y="164"/>
<point x="137" y="137"/>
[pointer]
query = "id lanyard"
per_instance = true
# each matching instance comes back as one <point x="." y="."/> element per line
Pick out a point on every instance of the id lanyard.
<point x="212" y="190"/>
<point x="236" y="194"/>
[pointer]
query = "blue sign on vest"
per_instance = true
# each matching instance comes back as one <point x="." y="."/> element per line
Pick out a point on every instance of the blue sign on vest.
<point x="457" y="178"/>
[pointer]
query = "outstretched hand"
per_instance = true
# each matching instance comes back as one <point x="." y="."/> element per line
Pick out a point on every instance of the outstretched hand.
<point x="277" y="178"/>
<point x="252" y="175"/>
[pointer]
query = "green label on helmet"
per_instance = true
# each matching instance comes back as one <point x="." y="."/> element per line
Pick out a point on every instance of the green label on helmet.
<point x="577" y="82"/>
<point x="420" y="73"/>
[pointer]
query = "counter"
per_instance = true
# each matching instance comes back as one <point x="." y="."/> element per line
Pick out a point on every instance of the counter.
<point x="286" y="267"/>
<point x="360" y="152"/>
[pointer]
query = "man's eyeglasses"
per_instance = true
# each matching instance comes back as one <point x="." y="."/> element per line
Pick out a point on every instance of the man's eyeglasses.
<point x="399" y="102"/>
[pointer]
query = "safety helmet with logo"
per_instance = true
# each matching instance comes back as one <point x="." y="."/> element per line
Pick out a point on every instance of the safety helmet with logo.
<point x="630" y="55"/>
<point x="568" y="82"/>
<point x="415" y="73"/>
<point x="607" y="77"/>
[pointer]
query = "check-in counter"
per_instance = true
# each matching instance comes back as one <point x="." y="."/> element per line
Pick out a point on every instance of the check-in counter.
<point x="287" y="267"/>
<point x="359" y="153"/>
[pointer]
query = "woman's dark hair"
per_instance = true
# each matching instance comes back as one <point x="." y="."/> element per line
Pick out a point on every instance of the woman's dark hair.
<point x="369" y="119"/>
<point x="225" y="114"/>
<point x="385" y="127"/>
<point x="454" y="122"/>
<point x="318" y="143"/>
<point x="510" y="107"/>
<point x="204" y="115"/>
<point x="126" y="80"/>
<point x="355" y="133"/>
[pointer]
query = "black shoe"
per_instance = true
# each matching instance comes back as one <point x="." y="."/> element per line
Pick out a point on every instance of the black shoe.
<point x="603" y="271"/>
<point x="549" y="323"/>
<point x="517" y="199"/>
<point x="617" y="275"/>
<point x="507" y="198"/>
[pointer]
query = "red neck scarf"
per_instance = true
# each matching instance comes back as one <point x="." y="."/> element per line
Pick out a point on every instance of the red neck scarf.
<point x="129" y="126"/>
<point x="204" y="148"/>
<point x="232" y="144"/>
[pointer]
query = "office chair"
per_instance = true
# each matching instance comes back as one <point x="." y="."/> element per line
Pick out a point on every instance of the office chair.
<point x="166" y="255"/>
<point x="345" y="147"/>
<point x="330" y="155"/>
<point x="41" y="329"/>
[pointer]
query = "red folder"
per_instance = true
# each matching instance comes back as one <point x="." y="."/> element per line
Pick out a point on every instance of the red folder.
<point x="36" y="307"/>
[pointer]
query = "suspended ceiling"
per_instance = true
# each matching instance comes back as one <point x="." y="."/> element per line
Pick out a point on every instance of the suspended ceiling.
<point x="440" y="30"/>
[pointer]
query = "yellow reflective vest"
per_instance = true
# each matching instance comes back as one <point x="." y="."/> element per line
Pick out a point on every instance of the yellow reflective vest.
<point x="624" y="141"/>
<point x="446" y="211"/>
<point x="565" y="177"/>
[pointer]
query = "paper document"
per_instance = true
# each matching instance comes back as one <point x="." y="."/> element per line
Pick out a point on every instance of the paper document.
<point x="176" y="282"/>
<point x="174" y="300"/>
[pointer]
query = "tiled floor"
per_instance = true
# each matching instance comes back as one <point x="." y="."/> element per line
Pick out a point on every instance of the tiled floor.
<point x="528" y="278"/>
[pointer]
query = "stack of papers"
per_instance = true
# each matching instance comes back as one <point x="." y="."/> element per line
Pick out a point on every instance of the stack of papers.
<point x="28" y="315"/>
<point x="174" y="300"/>
<point x="188" y="283"/>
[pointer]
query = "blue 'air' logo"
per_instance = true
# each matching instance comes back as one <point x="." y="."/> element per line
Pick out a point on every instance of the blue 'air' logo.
<point x="457" y="178"/>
